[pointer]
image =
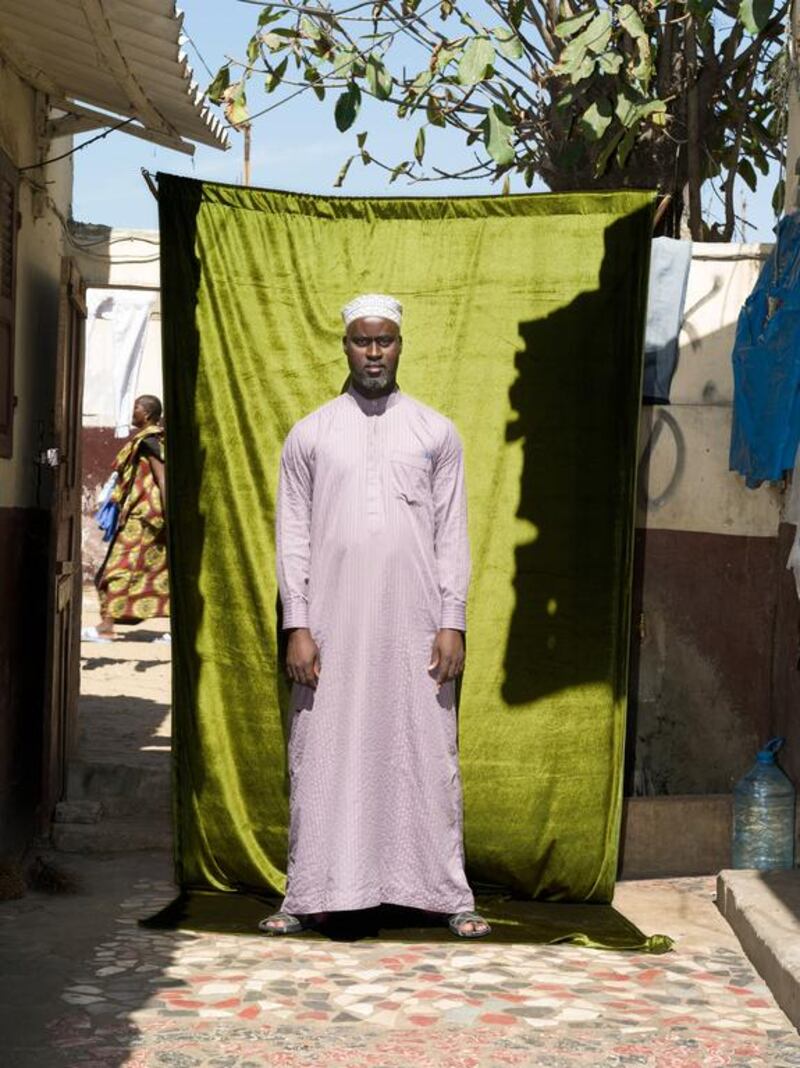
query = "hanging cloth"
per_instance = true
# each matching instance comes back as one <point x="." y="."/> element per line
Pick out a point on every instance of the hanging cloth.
<point x="766" y="366"/>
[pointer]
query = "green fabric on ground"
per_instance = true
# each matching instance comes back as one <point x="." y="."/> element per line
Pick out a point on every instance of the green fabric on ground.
<point x="527" y="922"/>
<point x="524" y="321"/>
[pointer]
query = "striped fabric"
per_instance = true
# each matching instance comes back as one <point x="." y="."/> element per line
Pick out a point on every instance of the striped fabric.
<point x="373" y="557"/>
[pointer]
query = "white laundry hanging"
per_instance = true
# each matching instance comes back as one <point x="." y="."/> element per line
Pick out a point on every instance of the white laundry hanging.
<point x="114" y="356"/>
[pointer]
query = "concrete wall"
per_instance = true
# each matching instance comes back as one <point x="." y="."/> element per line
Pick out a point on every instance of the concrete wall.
<point x="709" y="573"/>
<point x="25" y="488"/>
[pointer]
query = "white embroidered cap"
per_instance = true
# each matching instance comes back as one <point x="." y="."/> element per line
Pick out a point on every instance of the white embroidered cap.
<point x="373" y="305"/>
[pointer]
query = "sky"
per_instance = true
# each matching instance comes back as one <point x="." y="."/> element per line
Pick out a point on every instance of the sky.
<point x="295" y="147"/>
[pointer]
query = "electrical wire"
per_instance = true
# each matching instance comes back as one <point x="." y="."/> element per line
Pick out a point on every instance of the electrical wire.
<point x="77" y="148"/>
<point x="198" y="53"/>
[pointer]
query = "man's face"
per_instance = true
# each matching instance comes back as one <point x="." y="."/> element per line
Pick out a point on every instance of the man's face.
<point x="373" y="348"/>
<point x="140" y="415"/>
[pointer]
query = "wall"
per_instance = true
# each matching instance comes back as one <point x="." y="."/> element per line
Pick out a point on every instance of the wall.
<point x="709" y="571"/>
<point x="25" y="489"/>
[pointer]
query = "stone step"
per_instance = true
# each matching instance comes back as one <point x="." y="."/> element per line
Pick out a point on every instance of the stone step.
<point x="113" y="836"/>
<point x="763" y="908"/>
<point x="122" y="789"/>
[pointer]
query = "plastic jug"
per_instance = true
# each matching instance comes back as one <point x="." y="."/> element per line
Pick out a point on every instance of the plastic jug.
<point x="763" y="814"/>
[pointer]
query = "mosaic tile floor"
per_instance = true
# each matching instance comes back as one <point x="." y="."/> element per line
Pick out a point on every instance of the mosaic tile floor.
<point x="155" y="998"/>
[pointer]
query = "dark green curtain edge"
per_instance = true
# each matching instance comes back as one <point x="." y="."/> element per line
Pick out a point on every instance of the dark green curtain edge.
<point x="286" y="201"/>
<point x="179" y="281"/>
<point x="622" y="674"/>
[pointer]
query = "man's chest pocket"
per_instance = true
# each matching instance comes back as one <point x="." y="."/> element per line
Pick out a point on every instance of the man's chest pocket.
<point x="410" y="477"/>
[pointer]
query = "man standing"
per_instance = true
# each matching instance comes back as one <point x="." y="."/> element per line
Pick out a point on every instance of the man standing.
<point x="373" y="569"/>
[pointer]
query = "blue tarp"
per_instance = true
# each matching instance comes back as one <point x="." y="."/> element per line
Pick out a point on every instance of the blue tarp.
<point x="766" y="366"/>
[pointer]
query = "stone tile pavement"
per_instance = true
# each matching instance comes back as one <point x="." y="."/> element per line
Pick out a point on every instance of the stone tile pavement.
<point x="138" y="997"/>
<point x="84" y="986"/>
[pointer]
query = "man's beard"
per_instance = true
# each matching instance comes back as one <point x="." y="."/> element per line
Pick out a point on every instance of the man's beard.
<point x="378" y="383"/>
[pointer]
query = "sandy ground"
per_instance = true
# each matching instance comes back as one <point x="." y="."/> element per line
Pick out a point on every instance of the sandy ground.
<point x="125" y="692"/>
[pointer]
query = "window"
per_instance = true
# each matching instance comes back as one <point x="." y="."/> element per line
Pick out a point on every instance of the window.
<point x="8" y="256"/>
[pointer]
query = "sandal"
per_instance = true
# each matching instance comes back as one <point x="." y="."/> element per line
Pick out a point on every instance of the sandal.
<point x="92" y="634"/>
<point x="458" y="922"/>
<point x="286" y="924"/>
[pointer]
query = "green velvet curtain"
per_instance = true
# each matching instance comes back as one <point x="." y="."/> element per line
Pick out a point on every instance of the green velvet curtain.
<point x="524" y="321"/>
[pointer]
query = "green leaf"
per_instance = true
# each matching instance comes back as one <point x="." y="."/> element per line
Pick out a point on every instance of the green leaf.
<point x="508" y="44"/>
<point x="585" y="70"/>
<point x="309" y="28"/>
<point x="631" y="112"/>
<point x="433" y="112"/>
<point x="311" y="74"/>
<point x="236" y="105"/>
<point x="516" y="9"/>
<point x="570" y="26"/>
<point x="747" y="173"/>
<point x="778" y="197"/>
<point x="445" y="11"/>
<point x="755" y="14"/>
<point x="401" y="168"/>
<point x="608" y="150"/>
<point x="361" y="139"/>
<point x="476" y="61"/>
<point x="268" y="15"/>
<point x="599" y="33"/>
<point x="610" y="62"/>
<point x="222" y="80"/>
<point x="347" y="107"/>
<point x="594" y="122"/>
<point x="643" y="70"/>
<point x="421" y="82"/>
<point x="630" y="21"/>
<point x="342" y="62"/>
<point x="340" y="177"/>
<point x="498" y="136"/>
<point x="475" y="26"/>
<point x="571" y="57"/>
<point x="379" y="79"/>
<point x="274" y="41"/>
<point x="253" y="48"/>
<point x="419" y="145"/>
<point x="444" y="55"/>
<point x="625" y="146"/>
<point x="275" y="76"/>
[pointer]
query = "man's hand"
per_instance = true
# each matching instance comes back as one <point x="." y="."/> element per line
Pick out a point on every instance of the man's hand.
<point x="302" y="658"/>
<point x="447" y="655"/>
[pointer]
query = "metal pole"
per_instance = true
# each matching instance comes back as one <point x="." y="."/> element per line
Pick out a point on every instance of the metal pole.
<point x="790" y="202"/>
<point x="246" y="171"/>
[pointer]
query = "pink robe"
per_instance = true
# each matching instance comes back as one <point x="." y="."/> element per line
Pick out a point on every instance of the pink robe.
<point x="373" y="557"/>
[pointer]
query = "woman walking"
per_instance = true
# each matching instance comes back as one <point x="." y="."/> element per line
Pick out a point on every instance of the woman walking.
<point x="133" y="582"/>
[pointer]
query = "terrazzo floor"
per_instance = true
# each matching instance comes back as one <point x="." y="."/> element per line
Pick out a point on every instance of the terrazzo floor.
<point x="82" y="985"/>
<point x="156" y="998"/>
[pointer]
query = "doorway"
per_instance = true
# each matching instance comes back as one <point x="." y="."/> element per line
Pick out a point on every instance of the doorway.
<point x="118" y="777"/>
